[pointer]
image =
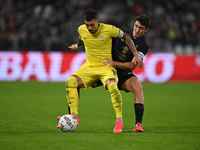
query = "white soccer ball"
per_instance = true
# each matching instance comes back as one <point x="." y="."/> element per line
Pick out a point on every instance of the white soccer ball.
<point x="67" y="123"/>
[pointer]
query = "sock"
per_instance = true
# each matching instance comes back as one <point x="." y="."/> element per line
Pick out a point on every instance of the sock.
<point x="139" y="110"/>
<point x="75" y="115"/>
<point x="119" y="119"/>
<point x="72" y="95"/>
<point x="116" y="99"/>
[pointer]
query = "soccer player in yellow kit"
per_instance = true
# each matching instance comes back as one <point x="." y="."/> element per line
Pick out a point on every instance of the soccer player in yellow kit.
<point x="97" y="39"/>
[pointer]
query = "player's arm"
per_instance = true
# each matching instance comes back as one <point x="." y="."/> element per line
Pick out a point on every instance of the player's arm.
<point x="131" y="45"/>
<point x="74" y="47"/>
<point x="123" y="65"/>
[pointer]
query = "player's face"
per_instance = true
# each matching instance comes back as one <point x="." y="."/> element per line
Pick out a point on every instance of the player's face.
<point x="92" y="25"/>
<point x="139" y="30"/>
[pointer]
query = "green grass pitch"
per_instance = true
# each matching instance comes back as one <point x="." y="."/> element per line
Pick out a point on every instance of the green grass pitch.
<point x="28" y="112"/>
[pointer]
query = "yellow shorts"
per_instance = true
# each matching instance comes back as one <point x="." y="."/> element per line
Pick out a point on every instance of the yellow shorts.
<point x="91" y="74"/>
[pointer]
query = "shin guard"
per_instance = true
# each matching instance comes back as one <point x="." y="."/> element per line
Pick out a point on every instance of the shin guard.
<point x="116" y="99"/>
<point x="72" y="94"/>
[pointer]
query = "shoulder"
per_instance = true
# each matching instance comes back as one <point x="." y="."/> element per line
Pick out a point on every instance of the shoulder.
<point x="108" y="26"/>
<point x="126" y="30"/>
<point x="81" y="27"/>
<point x="142" y="41"/>
<point x="145" y="42"/>
<point x="142" y="44"/>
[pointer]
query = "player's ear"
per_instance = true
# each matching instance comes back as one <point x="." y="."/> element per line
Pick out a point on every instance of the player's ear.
<point x="97" y="21"/>
<point x="147" y="29"/>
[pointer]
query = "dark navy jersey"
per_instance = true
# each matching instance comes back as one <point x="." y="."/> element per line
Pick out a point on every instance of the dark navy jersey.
<point x="122" y="53"/>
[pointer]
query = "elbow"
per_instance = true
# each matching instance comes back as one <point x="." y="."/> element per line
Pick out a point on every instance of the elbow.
<point x="126" y="36"/>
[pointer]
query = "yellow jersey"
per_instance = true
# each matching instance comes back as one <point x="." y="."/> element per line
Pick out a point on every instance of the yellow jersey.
<point x="99" y="44"/>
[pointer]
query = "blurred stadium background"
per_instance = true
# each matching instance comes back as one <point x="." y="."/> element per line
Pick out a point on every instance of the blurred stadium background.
<point x="31" y="31"/>
<point x="51" y="25"/>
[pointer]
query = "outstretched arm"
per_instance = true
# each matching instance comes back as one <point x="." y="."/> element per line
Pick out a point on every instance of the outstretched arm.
<point x="74" y="47"/>
<point x="123" y="65"/>
<point x="137" y="60"/>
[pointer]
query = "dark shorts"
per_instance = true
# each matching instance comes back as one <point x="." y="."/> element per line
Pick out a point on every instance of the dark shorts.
<point x="123" y="76"/>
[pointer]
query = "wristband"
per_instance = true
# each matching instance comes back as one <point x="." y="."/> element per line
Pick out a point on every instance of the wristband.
<point x="77" y="46"/>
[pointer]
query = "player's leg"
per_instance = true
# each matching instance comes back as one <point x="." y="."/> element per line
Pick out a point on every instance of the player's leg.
<point x="73" y="83"/>
<point x="133" y="85"/>
<point x="109" y="78"/>
<point x="116" y="99"/>
<point x="82" y="78"/>
<point x="78" y="91"/>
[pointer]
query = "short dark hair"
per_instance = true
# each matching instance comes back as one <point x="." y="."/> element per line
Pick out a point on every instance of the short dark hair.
<point x="90" y="15"/>
<point x="144" y="20"/>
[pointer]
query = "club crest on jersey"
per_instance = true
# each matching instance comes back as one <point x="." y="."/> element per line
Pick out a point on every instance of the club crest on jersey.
<point x="125" y="49"/>
<point x="101" y="36"/>
<point x="122" y="40"/>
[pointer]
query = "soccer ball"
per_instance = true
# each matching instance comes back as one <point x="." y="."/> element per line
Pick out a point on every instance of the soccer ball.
<point x="67" y="123"/>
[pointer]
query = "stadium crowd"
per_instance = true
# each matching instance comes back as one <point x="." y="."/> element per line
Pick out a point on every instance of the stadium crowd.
<point x="51" y="25"/>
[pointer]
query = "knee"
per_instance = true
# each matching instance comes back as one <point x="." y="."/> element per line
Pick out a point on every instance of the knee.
<point x="136" y="87"/>
<point x="71" y="82"/>
<point x="112" y="88"/>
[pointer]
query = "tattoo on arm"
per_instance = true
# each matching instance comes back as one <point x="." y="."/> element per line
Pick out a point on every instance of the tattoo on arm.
<point x="80" y="42"/>
<point x="130" y="43"/>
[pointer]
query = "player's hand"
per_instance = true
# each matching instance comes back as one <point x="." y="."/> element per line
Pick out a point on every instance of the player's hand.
<point x="73" y="47"/>
<point x="138" y="61"/>
<point x="108" y="61"/>
<point x="134" y="64"/>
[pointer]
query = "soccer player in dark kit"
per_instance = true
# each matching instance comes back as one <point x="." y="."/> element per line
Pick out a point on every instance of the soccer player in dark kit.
<point x="123" y="61"/>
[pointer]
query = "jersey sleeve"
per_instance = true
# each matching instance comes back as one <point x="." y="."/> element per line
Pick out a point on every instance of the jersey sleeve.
<point x="143" y="51"/>
<point x="116" y="32"/>
<point x="79" y="32"/>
